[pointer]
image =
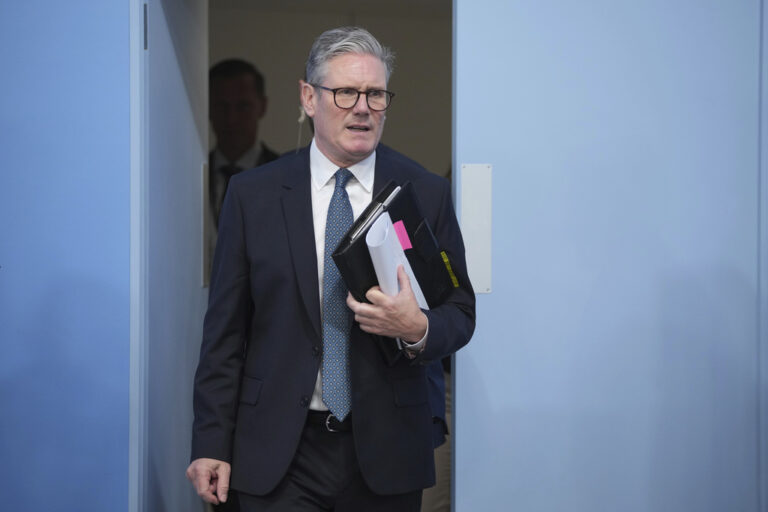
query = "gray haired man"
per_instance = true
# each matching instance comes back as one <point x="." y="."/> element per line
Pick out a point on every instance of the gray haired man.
<point x="304" y="400"/>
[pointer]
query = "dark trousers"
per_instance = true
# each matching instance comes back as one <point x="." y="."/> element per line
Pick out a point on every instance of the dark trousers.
<point x="325" y="476"/>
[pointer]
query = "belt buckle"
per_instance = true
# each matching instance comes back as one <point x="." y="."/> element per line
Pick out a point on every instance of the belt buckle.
<point x="328" y="423"/>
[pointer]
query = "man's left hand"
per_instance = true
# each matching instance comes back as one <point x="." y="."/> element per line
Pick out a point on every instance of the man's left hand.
<point x="394" y="317"/>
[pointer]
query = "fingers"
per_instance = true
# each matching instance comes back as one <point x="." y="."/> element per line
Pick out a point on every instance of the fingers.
<point x="222" y="485"/>
<point x="364" y="313"/>
<point x="376" y="296"/>
<point x="210" y="478"/>
<point x="209" y="494"/>
<point x="203" y="482"/>
<point x="396" y="316"/>
<point x="402" y="279"/>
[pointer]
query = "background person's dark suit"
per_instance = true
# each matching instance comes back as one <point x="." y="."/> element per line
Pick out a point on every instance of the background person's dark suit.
<point x="219" y="174"/>
<point x="216" y="193"/>
<point x="262" y="337"/>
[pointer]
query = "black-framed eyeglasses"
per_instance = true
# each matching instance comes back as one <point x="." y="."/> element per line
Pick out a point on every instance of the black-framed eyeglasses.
<point x="346" y="97"/>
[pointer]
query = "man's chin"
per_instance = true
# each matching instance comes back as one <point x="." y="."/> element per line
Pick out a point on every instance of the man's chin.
<point x="361" y="149"/>
<point x="360" y="154"/>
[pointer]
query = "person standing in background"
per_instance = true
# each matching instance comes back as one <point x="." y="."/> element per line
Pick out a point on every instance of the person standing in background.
<point x="237" y="105"/>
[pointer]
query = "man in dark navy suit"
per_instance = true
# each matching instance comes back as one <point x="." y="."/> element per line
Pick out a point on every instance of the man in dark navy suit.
<point x="306" y="399"/>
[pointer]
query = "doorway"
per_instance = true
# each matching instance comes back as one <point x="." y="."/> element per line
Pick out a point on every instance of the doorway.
<point x="275" y="36"/>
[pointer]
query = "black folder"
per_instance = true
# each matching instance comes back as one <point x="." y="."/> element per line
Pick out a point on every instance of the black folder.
<point x="429" y="263"/>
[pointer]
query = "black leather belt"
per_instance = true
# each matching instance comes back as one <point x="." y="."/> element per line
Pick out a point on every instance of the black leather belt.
<point x="328" y="421"/>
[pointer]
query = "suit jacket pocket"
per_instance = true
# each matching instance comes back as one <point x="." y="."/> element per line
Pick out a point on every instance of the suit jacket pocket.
<point x="411" y="391"/>
<point x="250" y="389"/>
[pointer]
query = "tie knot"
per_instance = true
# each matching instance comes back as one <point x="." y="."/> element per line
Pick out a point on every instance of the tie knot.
<point x="230" y="170"/>
<point x="342" y="177"/>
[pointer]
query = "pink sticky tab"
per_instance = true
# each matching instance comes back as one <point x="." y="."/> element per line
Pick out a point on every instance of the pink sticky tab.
<point x="402" y="235"/>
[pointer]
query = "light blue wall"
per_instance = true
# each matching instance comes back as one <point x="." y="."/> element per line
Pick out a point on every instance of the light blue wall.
<point x="64" y="269"/>
<point x="763" y="273"/>
<point x="616" y="363"/>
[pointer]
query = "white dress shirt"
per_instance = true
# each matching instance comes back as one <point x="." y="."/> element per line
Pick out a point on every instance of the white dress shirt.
<point x="246" y="161"/>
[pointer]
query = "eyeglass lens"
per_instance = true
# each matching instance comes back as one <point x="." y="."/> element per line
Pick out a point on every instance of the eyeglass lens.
<point x="347" y="98"/>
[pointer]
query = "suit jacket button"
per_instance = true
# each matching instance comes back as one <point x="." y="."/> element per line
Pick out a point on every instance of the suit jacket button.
<point x="316" y="350"/>
<point x="304" y="401"/>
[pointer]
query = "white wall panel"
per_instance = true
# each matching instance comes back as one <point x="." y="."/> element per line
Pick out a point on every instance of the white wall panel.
<point x="176" y="139"/>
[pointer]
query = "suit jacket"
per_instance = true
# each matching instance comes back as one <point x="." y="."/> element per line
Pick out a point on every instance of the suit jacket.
<point x="266" y="156"/>
<point x="262" y="338"/>
<point x="216" y="196"/>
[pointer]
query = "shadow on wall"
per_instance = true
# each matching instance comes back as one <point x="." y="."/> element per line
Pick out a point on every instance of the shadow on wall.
<point x="705" y="428"/>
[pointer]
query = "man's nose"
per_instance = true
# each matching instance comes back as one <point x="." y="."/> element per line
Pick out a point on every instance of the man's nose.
<point x="232" y="115"/>
<point x="361" y="107"/>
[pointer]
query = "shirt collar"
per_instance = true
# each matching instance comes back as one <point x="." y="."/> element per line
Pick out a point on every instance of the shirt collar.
<point x="322" y="169"/>
<point x="246" y="161"/>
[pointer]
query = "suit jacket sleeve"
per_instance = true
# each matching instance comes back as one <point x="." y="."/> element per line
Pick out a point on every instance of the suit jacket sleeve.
<point x="452" y="323"/>
<point x="225" y="330"/>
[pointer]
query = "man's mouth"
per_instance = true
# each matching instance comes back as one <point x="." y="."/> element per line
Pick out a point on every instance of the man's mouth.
<point x="358" y="128"/>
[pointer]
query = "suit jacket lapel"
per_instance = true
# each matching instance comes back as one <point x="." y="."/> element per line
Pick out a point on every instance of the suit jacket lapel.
<point x="383" y="172"/>
<point x="386" y="170"/>
<point x="297" y="211"/>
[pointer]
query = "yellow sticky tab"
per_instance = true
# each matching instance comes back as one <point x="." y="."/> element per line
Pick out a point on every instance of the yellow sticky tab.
<point x="450" y="270"/>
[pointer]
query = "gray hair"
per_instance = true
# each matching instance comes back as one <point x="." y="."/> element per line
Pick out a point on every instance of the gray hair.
<point x="339" y="41"/>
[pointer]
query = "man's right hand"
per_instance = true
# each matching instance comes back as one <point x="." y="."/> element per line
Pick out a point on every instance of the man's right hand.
<point x="210" y="478"/>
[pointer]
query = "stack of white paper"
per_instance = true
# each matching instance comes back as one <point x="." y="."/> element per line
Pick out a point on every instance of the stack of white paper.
<point x="387" y="254"/>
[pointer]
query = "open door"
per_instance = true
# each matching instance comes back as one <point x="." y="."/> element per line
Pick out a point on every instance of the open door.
<point x="169" y="131"/>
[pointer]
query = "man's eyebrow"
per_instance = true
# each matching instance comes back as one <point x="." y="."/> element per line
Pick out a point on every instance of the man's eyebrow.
<point x="363" y="90"/>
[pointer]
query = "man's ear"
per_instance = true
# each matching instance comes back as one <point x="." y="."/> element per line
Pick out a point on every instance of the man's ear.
<point x="308" y="97"/>
<point x="264" y="104"/>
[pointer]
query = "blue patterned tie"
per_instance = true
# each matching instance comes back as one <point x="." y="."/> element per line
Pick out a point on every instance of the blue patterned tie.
<point x="337" y="317"/>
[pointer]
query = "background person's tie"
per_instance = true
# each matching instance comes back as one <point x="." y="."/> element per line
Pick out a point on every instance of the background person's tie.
<point x="217" y="193"/>
<point x="337" y="317"/>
